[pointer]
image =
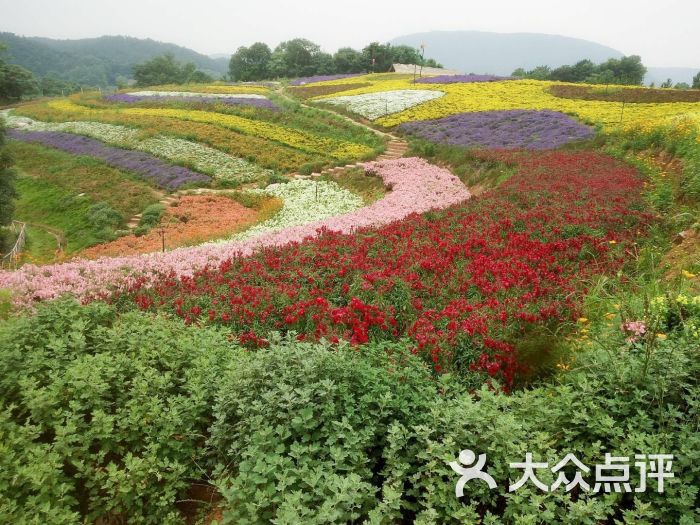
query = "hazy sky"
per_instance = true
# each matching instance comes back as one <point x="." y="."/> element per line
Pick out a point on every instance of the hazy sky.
<point x="663" y="32"/>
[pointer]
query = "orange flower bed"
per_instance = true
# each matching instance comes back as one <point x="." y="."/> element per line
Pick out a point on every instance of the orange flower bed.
<point x="194" y="219"/>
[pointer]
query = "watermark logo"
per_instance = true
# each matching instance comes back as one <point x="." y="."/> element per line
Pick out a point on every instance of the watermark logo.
<point x="466" y="458"/>
<point x="611" y="476"/>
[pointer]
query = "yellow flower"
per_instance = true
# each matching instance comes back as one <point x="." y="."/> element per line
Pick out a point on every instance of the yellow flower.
<point x="525" y="94"/>
<point x="612" y="242"/>
<point x="687" y="274"/>
<point x="582" y="320"/>
<point x="610" y="315"/>
<point x="661" y="336"/>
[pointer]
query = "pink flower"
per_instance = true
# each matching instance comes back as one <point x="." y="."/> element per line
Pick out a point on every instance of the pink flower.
<point x="416" y="187"/>
<point x="635" y="329"/>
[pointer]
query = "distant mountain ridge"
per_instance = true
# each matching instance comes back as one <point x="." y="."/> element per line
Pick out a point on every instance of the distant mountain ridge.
<point x="502" y="53"/>
<point x="102" y="61"/>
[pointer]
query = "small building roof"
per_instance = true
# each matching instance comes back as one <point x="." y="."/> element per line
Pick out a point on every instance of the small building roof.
<point x="409" y="69"/>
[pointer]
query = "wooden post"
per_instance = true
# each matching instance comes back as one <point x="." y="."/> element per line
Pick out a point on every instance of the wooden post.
<point x="622" y="113"/>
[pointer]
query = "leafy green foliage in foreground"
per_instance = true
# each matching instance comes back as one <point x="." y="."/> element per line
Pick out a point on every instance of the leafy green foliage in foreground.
<point x="117" y="416"/>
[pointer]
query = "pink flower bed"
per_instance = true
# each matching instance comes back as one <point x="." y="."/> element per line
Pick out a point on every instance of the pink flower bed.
<point x="416" y="187"/>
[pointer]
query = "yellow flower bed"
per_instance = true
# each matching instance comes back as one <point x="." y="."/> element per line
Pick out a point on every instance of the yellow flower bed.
<point x="294" y="138"/>
<point x="209" y="88"/>
<point x="517" y="94"/>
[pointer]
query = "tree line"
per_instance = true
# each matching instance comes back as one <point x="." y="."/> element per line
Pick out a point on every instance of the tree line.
<point x="17" y="82"/>
<point x="627" y="70"/>
<point x="300" y="57"/>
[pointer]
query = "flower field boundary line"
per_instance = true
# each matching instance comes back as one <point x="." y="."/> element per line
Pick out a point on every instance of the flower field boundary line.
<point x="417" y="187"/>
<point x="396" y="146"/>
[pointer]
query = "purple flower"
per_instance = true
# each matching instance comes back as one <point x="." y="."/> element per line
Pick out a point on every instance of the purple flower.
<point x="321" y="78"/>
<point x="125" y="98"/>
<point x="514" y="129"/>
<point x="145" y="165"/>
<point x="461" y="79"/>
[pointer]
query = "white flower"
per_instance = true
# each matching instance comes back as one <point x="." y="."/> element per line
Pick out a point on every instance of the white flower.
<point x="202" y="158"/>
<point x="305" y="201"/>
<point x="375" y="105"/>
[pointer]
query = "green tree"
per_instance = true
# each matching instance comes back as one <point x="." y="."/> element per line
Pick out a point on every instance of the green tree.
<point x="165" y="69"/>
<point x="405" y="55"/>
<point x="377" y="57"/>
<point x="323" y="64"/>
<point x="53" y="87"/>
<point x="627" y="70"/>
<point x="250" y="63"/>
<point x="15" y="81"/>
<point x="682" y="85"/>
<point x="579" y="72"/>
<point x="294" y="58"/>
<point x="540" y="73"/>
<point x="668" y="83"/>
<point x="347" y="60"/>
<point x="431" y="62"/>
<point x="696" y="81"/>
<point x="7" y="188"/>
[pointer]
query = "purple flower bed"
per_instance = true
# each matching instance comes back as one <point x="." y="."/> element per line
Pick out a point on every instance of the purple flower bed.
<point x="461" y="79"/>
<point x="321" y="78"/>
<point x="512" y="129"/>
<point x="145" y="165"/>
<point x="124" y="98"/>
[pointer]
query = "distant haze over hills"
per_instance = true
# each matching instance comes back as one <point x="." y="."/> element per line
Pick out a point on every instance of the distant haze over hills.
<point x="657" y="75"/>
<point x="97" y="61"/>
<point x="502" y="53"/>
<point x="106" y="60"/>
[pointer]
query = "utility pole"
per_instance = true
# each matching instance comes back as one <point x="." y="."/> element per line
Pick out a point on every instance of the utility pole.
<point x="422" y="57"/>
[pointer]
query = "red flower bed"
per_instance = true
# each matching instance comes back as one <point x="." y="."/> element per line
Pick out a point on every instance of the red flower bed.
<point x="464" y="284"/>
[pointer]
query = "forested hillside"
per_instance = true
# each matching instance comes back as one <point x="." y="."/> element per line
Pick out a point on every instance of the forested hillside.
<point x="103" y="61"/>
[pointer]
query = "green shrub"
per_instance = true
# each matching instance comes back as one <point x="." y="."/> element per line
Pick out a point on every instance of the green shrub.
<point x="304" y="426"/>
<point x="105" y="220"/>
<point x="589" y="413"/>
<point x="113" y="418"/>
<point x="111" y="411"/>
<point x="150" y="218"/>
<point x="34" y="490"/>
<point x="5" y="303"/>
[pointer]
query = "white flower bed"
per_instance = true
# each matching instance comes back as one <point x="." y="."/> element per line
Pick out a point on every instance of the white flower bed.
<point x="193" y="94"/>
<point x="304" y="201"/>
<point x="375" y="105"/>
<point x="200" y="157"/>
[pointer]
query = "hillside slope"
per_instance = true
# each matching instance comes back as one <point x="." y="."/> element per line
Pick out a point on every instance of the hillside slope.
<point x="97" y="61"/>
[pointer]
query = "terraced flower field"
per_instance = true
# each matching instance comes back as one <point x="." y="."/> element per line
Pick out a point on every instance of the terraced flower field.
<point x="463" y="97"/>
<point x="255" y="132"/>
<point x="317" y="345"/>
